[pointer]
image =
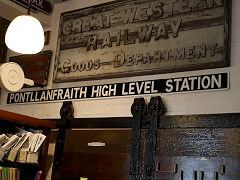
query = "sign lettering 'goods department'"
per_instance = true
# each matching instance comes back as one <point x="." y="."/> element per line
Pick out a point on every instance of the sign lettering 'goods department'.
<point x="138" y="37"/>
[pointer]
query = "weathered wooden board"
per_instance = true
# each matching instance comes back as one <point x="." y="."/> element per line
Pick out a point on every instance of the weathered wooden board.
<point x="128" y="38"/>
<point x="199" y="142"/>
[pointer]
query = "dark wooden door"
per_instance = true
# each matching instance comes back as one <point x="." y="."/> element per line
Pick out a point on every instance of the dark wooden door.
<point x="109" y="162"/>
<point x="198" y="154"/>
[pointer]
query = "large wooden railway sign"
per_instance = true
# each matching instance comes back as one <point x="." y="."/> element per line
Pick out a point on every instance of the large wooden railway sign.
<point x="139" y="37"/>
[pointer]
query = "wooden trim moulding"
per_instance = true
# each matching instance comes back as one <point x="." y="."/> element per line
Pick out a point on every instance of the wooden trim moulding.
<point x="25" y="120"/>
<point x="226" y="120"/>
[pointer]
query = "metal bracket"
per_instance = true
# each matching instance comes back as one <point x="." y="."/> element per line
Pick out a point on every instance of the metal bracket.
<point x="155" y="109"/>
<point x="145" y="117"/>
<point x="66" y="113"/>
<point x="138" y="109"/>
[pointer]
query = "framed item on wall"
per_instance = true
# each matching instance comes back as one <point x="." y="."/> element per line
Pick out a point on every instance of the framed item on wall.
<point x="139" y="37"/>
<point x="35" y="67"/>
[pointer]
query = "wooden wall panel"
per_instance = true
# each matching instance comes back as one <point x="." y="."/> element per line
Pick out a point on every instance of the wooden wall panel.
<point x="191" y="168"/>
<point x="198" y="154"/>
<point x="202" y="142"/>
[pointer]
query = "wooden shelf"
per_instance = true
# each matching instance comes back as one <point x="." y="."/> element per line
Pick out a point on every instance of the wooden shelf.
<point x="14" y="119"/>
<point x="20" y="165"/>
<point x="25" y="120"/>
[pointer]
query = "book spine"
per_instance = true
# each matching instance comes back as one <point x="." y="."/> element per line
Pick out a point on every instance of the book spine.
<point x="13" y="174"/>
<point x="17" y="174"/>
<point x="4" y="174"/>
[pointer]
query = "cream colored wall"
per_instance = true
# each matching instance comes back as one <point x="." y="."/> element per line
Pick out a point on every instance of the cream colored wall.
<point x="227" y="101"/>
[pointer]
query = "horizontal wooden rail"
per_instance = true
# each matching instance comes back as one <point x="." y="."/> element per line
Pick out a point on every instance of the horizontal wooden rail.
<point x="25" y="120"/>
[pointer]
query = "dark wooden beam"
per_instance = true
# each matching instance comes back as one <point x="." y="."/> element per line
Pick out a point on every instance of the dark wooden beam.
<point x="227" y="120"/>
<point x="25" y="120"/>
<point x="114" y="122"/>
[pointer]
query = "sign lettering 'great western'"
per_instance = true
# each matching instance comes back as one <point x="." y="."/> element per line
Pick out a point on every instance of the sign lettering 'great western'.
<point x="137" y="37"/>
<point x="172" y="85"/>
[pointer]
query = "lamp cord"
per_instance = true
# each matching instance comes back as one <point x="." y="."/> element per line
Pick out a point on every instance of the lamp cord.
<point x="29" y="6"/>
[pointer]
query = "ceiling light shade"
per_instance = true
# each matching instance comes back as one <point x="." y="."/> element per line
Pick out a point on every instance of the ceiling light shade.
<point x="25" y="35"/>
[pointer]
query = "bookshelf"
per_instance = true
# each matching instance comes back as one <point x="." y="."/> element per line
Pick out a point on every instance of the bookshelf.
<point x="10" y="120"/>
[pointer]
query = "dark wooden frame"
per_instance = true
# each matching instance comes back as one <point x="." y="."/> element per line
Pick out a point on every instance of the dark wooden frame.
<point x="48" y="55"/>
<point x="226" y="120"/>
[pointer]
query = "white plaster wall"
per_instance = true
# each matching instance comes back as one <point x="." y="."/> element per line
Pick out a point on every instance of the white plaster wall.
<point x="227" y="101"/>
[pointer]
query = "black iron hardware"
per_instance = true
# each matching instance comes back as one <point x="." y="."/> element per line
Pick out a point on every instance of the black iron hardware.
<point x="155" y="108"/>
<point x="201" y="175"/>
<point x="181" y="175"/>
<point x="138" y="109"/>
<point x="175" y="168"/>
<point x="215" y="175"/>
<point x="145" y="117"/>
<point x="194" y="175"/>
<point x="66" y="113"/>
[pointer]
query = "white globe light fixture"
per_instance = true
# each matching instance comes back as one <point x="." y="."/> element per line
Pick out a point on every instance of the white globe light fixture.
<point x="25" y="35"/>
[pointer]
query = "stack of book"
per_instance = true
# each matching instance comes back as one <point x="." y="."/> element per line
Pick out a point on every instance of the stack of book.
<point x="21" y="147"/>
<point x="8" y="173"/>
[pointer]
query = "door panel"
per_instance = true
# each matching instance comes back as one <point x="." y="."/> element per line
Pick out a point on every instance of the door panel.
<point x="96" y="163"/>
<point x="102" y="166"/>
<point x="191" y="168"/>
<point x="198" y="154"/>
